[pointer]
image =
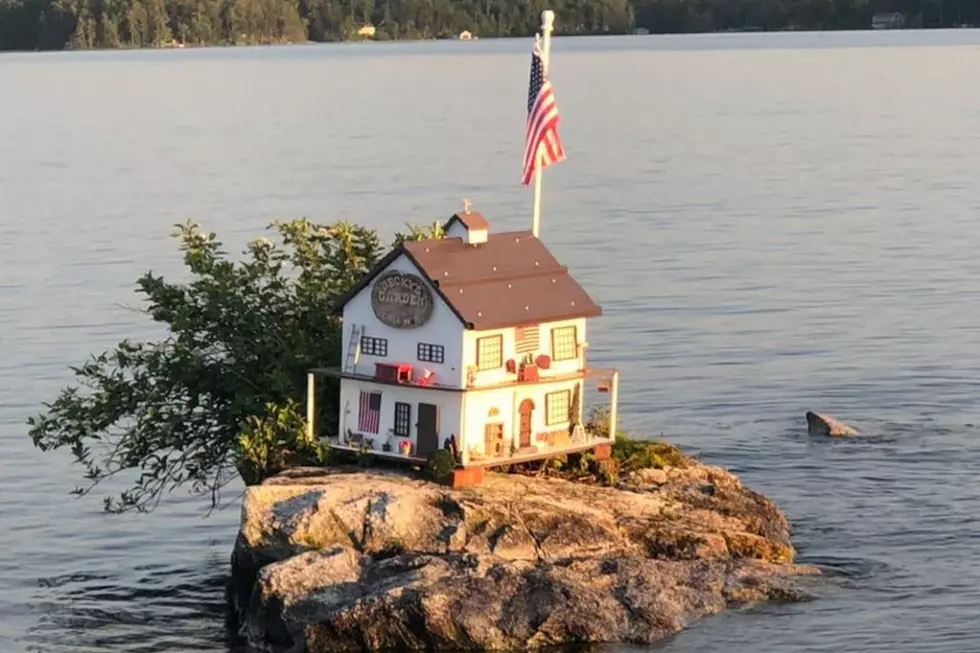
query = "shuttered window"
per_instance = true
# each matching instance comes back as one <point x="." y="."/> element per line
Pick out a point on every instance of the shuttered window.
<point x="528" y="339"/>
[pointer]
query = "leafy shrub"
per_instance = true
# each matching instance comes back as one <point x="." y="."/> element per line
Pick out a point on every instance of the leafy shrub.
<point x="273" y="441"/>
<point x="638" y="454"/>
<point x="219" y="394"/>
<point x="607" y="471"/>
<point x="633" y="454"/>
<point x="439" y="465"/>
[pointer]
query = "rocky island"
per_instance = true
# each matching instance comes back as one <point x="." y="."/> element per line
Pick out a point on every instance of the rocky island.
<point x="349" y="558"/>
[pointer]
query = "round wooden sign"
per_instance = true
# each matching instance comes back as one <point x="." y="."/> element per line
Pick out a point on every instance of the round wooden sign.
<point x="402" y="301"/>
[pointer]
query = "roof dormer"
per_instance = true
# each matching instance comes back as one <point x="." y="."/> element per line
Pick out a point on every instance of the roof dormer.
<point x="469" y="225"/>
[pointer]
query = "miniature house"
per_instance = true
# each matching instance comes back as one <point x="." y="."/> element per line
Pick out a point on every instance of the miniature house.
<point x="476" y="343"/>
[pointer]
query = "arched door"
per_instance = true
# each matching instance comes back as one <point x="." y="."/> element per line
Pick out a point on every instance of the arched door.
<point x="526" y="410"/>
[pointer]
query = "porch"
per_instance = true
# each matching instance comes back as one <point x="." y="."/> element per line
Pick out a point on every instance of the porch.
<point x="474" y="473"/>
<point x="607" y="382"/>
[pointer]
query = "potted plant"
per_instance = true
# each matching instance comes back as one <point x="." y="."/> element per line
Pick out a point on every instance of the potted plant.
<point x="405" y="447"/>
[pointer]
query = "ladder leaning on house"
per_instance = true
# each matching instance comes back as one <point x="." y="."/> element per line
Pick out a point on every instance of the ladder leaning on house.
<point x="354" y="349"/>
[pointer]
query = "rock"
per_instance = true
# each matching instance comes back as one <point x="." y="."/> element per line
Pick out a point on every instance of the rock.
<point x="822" y="425"/>
<point x="651" y="476"/>
<point x="348" y="560"/>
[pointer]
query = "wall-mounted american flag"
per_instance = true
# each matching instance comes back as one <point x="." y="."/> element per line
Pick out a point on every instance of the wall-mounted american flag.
<point x="369" y="412"/>
<point x="541" y="129"/>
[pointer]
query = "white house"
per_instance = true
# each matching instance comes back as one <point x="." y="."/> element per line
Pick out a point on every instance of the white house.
<point x="891" y="20"/>
<point x="476" y="343"/>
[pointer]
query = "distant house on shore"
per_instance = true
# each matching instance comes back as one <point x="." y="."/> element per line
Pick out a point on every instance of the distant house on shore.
<point x="641" y="31"/>
<point x="892" y="20"/>
<point x="466" y="35"/>
<point x="367" y="31"/>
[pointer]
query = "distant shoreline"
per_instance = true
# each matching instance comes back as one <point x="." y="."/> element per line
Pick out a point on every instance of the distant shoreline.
<point x="380" y="41"/>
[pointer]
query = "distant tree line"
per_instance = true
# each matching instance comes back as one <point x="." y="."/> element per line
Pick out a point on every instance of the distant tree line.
<point x="58" y="24"/>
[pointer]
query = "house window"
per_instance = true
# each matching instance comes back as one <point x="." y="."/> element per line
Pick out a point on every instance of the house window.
<point x="557" y="406"/>
<point x="374" y="346"/>
<point x="431" y="353"/>
<point x="489" y="352"/>
<point x="403" y="417"/>
<point x="564" y="343"/>
<point x="528" y="339"/>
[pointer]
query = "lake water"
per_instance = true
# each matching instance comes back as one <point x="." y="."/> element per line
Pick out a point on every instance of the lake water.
<point x="772" y="222"/>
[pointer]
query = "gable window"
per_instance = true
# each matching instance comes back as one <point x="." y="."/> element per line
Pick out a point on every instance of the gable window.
<point x="431" y="353"/>
<point x="374" y="346"/>
<point x="489" y="352"/>
<point x="564" y="343"/>
<point x="528" y="339"/>
<point x="403" y="417"/>
<point x="557" y="406"/>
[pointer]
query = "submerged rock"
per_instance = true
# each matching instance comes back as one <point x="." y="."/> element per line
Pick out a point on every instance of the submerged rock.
<point x="351" y="560"/>
<point x="824" y="426"/>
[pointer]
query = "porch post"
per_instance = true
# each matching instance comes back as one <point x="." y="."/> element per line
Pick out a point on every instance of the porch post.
<point x="464" y="450"/>
<point x="613" y="404"/>
<point x="310" y="407"/>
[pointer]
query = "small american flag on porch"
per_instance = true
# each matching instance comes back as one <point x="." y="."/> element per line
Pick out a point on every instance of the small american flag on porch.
<point x="369" y="412"/>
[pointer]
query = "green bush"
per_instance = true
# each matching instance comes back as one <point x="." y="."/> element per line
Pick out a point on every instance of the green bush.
<point x="220" y="393"/>
<point x="633" y="455"/>
<point x="440" y="465"/>
<point x="607" y="471"/>
<point x="270" y="442"/>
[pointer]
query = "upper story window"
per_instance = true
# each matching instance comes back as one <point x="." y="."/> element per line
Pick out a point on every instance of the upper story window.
<point x="431" y="353"/>
<point x="489" y="352"/>
<point x="527" y="339"/>
<point x="564" y="343"/>
<point x="374" y="346"/>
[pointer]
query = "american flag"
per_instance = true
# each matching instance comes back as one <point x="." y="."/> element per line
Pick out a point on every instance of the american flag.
<point x="541" y="129"/>
<point x="369" y="412"/>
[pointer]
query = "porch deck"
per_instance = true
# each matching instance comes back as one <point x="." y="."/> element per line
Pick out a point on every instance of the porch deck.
<point x="484" y="463"/>
<point x="542" y="454"/>
<point x="386" y="455"/>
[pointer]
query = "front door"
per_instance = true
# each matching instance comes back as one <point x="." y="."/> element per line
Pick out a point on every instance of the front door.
<point x="428" y="430"/>
<point x="526" y="411"/>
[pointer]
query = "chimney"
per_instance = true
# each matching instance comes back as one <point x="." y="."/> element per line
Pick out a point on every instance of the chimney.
<point x="469" y="225"/>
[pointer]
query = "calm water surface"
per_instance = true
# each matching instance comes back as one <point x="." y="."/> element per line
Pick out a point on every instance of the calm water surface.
<point x="773" y="223"/>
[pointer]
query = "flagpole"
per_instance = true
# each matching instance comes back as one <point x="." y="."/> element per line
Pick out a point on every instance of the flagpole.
<point x="547" y="26"/>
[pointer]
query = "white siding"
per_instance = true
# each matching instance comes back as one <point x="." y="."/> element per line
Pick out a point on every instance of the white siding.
<point x="507" y="401"/>
<point x="501" y="375"/>
<point x="456" y="230"/>
<point x="476" y="413"/>
<point x="442" y="328"/>
<point x="449" y="403"/>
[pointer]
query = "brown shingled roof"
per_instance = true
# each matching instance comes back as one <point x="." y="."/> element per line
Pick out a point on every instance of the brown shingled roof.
<point x="470" y="220"/>
<point x="510" y="280"/>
